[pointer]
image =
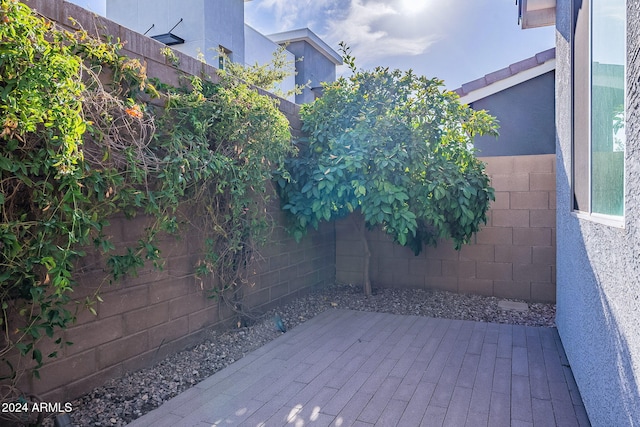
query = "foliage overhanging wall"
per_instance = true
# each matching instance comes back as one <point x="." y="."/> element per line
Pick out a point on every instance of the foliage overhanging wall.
<point x="125" y="188"/>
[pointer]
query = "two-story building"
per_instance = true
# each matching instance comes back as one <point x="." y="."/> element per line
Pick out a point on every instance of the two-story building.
<point x="202" y="29"/>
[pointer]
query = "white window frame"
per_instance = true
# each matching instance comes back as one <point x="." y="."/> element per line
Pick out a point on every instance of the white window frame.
<point x="617" y="221"/>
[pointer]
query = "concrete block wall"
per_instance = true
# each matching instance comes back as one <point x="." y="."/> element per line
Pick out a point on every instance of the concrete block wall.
<point x="143" y="319"/>
<point x="513" y="255"/>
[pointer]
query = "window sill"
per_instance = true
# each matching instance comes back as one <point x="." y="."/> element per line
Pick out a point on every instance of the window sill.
<point x="608" y="220"/>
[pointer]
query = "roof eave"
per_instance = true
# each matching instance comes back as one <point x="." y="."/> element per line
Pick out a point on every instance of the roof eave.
<point x="536" y="13"/>
<point x="508" y="82"/>
<point x="507" y="77"/>
<point x="305" y="34"/>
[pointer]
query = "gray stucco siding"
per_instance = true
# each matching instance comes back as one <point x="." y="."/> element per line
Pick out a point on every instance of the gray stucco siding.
<point x="598" y="265"/>
<point x="313" y="69"/>
<point x="526" y="113"/>
<point x="205" y="25"/>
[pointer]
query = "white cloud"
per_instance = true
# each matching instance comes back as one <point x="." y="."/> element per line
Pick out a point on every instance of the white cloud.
<point x="457" y="40"/>
<point x="373" y="30"/>
<point x="415" y="7"/>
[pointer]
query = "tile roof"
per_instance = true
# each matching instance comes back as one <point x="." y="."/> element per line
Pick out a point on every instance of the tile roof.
<point x="507" y="72"/>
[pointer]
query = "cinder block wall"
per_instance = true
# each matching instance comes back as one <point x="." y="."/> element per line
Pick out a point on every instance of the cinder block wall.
<point x="159" y="312"/>
<point x="513" y="256"/>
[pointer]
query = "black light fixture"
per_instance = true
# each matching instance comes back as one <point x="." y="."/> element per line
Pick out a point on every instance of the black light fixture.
<point x="519" y="4"/>
<point x="169" y="38"/>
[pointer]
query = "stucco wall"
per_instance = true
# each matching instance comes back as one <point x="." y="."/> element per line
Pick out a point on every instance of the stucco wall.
<point x="205" y="26"/>
<point x="224" y="26"/>
<point x="314" y="69"/>
<point x="513" y="255"/>
<point x="259" y="49"/>
<point x="526" y="116"/>
<point x="598" y="266"/>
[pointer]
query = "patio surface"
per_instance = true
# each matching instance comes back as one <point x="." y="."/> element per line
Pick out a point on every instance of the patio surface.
<point x="353" y="368"/>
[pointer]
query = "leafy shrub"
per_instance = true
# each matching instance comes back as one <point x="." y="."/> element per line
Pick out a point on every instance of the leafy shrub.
<point x="397" y="148"/>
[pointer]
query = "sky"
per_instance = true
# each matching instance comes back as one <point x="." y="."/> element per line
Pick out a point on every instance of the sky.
<point x="454" y="40"/>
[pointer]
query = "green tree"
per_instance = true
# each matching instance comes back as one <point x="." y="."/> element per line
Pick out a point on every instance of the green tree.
<point x="267" y="76"/>
<point x="396" y="147"/>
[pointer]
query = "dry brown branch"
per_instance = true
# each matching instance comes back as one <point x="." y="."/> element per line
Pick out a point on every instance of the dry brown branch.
<point x="118" y="133"/>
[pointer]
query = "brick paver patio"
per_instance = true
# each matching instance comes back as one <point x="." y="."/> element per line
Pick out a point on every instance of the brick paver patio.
<point x="352" y="368"/>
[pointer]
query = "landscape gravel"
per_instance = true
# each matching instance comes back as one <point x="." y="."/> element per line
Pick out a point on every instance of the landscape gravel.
<point x="124" y="399"/>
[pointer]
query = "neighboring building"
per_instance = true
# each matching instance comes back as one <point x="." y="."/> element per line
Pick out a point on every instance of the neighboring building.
<point x="315" y="61"/>
<point x="259" y="49"/>
<point x="598" y="207"/>
<point x="522" y="98"/>
<point x="202" y="28"/>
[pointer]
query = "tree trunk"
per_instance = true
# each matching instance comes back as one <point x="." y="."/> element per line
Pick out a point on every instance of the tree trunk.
<point x="366" y="256"/>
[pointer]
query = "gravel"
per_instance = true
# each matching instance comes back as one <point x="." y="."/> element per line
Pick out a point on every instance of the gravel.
<point x="124" y="399"/>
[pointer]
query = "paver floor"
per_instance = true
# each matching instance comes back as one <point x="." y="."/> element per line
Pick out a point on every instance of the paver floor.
<point x="353" y="368"/>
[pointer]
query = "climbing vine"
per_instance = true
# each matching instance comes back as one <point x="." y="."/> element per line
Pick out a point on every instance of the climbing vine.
<point x="224" y="141"/>
<point x="80" y="142"/>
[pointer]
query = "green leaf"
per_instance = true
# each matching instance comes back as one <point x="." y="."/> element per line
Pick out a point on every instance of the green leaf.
<point x="37" y="356"/>
<point x="23" y="348"/>
<point x="402" y="239"/>
<point x="5" y="164"/>
<point x="307" y="187"/>
<point x="48" y="262"/>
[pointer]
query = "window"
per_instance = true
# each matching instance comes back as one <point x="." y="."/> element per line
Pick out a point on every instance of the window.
<point x="224" y="55"/>
<point x="599" y="56"/>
